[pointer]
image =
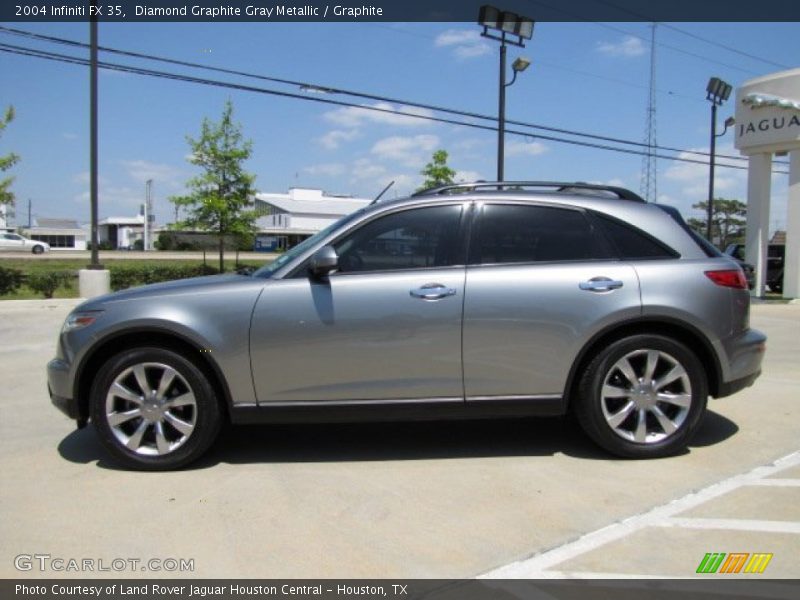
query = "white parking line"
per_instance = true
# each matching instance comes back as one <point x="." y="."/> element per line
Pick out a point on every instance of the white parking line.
<point x="733" y="524"/>
<point x="777" y="482"/>
<point x="537" y="566"/>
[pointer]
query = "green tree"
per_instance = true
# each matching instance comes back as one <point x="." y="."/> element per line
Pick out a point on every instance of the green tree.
<point x="728" y="221"/>
<point x="222" y="196"/>
<point x="7" y="161"/>
<point x="437" y="172"/>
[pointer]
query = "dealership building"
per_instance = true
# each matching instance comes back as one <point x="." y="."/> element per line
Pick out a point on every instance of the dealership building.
<point x="768" y="125"/>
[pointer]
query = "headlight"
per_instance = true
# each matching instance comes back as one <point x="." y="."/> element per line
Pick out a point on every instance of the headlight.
<point x="79" y="320"/>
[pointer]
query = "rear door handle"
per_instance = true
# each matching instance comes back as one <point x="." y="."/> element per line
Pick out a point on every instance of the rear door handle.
<point x="600" y="284"/>
<point x="432" y="291"/>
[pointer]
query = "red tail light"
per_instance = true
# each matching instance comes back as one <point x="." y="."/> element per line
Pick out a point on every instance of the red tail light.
<point x="732" y="278"/>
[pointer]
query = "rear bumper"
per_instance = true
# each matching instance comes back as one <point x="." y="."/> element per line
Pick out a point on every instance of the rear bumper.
<point x="746" y="353"/>
<point x="731" y="387"/>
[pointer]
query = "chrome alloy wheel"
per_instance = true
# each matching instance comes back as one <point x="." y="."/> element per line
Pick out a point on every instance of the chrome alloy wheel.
<point x="151" y="409"/>
<point x="646" y="396"/>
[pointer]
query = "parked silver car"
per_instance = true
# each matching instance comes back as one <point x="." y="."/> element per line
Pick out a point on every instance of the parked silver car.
<point x="475" y="300"/>
<point x="13" y="242"/>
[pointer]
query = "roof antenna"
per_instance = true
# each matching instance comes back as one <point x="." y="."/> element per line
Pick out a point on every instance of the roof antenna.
<point x="386" y="189"/>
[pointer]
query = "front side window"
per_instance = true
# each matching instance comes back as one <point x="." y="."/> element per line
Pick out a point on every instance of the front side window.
<point x="522" y="234"/>
<point x="413" y="239"/>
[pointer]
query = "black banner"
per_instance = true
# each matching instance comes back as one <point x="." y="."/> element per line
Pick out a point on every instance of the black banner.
<point x="714" y="588"/>
<point x="394" y="10"/>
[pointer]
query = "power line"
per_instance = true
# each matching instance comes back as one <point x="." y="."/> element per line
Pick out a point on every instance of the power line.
<point x="20" y="50"/>
<point x="697" y="37"/>
<point x="726" y="47"/>
<point x="643" y="18"/>
<point x="355" y="94"/>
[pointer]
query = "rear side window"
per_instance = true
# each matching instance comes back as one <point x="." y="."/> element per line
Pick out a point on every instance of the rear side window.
<point x="521" y="234"/>
<point x="632" y="243"/>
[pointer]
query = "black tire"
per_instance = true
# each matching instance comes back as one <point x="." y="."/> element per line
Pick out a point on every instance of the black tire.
<point x="37" y="249"/>
<point x="188" y="398"/>
<point x="614" y="420"/>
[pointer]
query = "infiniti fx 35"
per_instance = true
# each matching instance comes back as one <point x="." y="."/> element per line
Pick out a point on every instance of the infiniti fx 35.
<point x="476" y="300"/>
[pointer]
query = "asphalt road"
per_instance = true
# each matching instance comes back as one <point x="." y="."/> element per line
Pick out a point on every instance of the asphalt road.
<point x="500" y="498"/>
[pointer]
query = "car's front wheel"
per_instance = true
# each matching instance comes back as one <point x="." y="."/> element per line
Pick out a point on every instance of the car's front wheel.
<point x="154" y="409"/>
<point x="643" y="396"/>
<point x="37" y="249"/>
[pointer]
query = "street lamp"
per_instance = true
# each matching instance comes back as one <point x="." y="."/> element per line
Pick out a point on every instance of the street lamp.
<point x="519" y="29"/>
<point x="717" y="92"/>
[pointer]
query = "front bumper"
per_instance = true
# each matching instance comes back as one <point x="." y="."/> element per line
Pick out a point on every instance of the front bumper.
<point x="60" y="389"/>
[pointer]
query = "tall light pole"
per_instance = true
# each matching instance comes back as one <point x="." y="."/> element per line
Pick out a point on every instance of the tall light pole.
<point x="95" y="263"/>
<point x="519" y="28"/>
<point x="717" y="92"/>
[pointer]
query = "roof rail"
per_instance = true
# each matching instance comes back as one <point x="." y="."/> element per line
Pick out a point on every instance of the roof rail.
<point x="560" y="186"/>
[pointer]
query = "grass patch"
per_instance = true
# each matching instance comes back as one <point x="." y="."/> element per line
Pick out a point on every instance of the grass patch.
<point x="70" y="290"/>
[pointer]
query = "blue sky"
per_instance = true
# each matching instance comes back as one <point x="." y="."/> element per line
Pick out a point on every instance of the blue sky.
<point x="590" y="77"/>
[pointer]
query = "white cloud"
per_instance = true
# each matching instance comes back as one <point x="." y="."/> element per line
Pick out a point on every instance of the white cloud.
<point x="465" y="43"/>
<point x="328" y="169"/>
<point x="518" y="148"/>
<point x="334" y="138"/>
<point x="161" y="174"/>
<point x="691" y="178"/>
<point x="410" y="151"/>
<point x="464" y="176"/>
<point x="352" y="117"/>
<point x="629" y="47"/>
<point x="364" y="168"/>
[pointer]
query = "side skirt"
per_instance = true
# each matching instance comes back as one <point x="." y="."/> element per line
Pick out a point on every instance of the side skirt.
<point x="428" y="409"/>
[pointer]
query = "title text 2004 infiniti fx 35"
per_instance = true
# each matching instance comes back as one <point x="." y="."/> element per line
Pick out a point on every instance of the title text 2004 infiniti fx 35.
<point x="470" y="301"/>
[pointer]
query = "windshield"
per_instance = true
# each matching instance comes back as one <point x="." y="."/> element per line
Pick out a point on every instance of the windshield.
<point x="269" y="269"/>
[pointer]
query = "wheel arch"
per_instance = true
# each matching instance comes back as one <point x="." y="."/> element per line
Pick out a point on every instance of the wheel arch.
<point x="153" y="337"/>
<point x="670" y="328"/>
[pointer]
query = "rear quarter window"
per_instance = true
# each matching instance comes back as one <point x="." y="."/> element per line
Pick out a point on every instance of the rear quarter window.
<point x="632" y="243"/>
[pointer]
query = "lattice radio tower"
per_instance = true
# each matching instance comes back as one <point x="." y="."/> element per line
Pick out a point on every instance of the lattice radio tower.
<point x="649" y="184"/>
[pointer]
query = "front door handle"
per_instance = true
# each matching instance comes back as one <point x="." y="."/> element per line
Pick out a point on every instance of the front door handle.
<point x="600" y="284"/>
<point x="432" y="291"/>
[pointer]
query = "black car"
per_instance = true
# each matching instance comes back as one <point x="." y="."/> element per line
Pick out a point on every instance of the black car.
<point x="775" y="259"/>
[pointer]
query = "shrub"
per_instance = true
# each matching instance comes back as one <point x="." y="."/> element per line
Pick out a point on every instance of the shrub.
<point x="10" y="280"/>
<point x="47" y="282"/>
<point x="125" y="277"/>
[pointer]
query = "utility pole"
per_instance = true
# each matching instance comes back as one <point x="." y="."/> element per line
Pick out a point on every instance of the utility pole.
<point x="30" y="222"/>
<point x="148" y="210"/>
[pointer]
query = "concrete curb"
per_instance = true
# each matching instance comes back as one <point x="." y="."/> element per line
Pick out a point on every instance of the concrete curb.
<point x="52" y="303"/>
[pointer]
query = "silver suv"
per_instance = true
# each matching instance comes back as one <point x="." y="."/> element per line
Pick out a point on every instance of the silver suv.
<point x="476" y="300"/>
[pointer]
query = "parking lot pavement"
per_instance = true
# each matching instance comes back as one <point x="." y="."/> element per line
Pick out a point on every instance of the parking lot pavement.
<point x="400" y="500"/>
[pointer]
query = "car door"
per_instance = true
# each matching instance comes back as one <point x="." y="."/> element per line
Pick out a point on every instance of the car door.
<point x="12" y="242"/>
<point x="385" y="326"/>
<point x="540" y="283"/>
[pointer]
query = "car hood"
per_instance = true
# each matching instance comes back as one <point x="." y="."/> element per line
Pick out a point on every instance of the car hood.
<point x="180" y="287"/>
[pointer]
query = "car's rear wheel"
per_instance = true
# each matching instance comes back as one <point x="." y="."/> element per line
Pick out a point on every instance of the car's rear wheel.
<point x="643" y="396"/>
<point x="37" y="249"/>
<point x="154" y="409"/>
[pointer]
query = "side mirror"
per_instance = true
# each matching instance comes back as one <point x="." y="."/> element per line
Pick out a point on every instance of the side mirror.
<point x="323" y="262"/>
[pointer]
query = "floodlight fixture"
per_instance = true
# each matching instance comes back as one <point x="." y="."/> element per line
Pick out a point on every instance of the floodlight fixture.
<point x="520" y="64"/>
<point x="718" y="90"/>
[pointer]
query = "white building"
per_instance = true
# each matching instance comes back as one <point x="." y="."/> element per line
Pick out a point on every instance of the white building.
<point x="61" y="234"/>
<point x="121" y="232"/>
<point x="290" y="218"/>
